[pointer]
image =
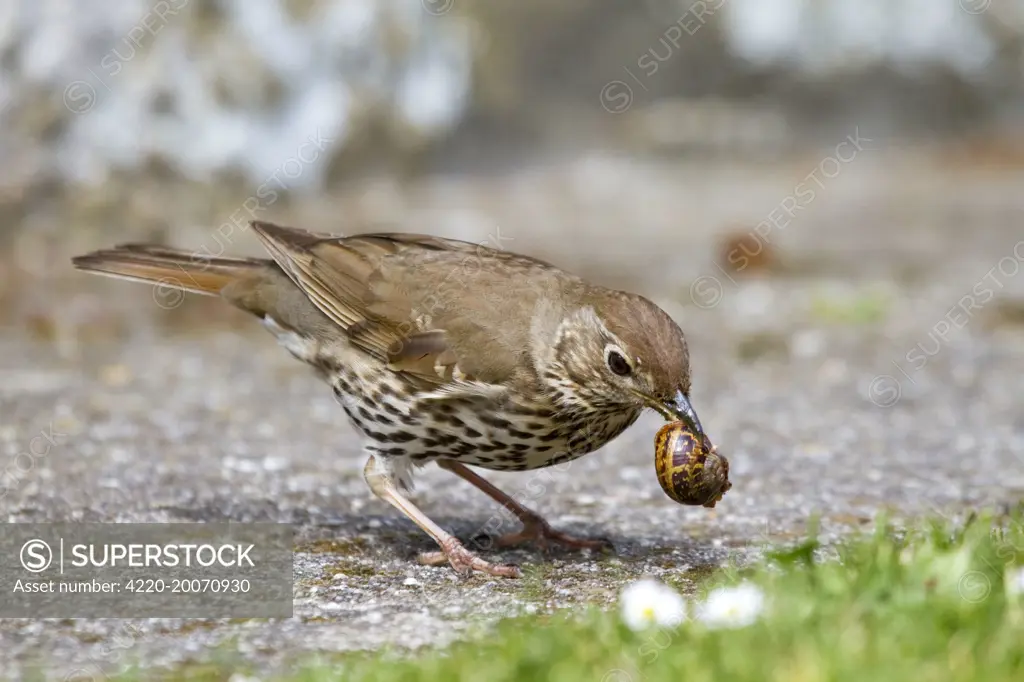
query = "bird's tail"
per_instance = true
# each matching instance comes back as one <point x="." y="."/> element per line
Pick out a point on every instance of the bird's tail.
<point x="168" y="267"/>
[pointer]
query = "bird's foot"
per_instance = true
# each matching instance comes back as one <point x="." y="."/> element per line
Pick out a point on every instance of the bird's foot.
<point x="465" y="562"/>
<point x="537" y="530"/>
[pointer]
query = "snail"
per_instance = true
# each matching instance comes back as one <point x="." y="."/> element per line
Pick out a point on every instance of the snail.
<point x="689" y="468"/>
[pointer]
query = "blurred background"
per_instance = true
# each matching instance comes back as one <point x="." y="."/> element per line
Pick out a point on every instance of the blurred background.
<point x="624" y="139"/>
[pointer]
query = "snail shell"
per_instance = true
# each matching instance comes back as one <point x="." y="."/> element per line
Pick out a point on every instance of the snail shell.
<point x="689" y="469"/>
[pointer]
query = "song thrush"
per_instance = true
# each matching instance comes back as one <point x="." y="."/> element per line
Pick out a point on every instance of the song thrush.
<point x="446" y="351"/>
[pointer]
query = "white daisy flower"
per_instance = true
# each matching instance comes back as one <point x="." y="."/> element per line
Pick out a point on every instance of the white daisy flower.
<point x="647" y="603"/>
<point x="1015" y="582"/>
<point x="950" y="573"/>
<point x="732" y="607"/>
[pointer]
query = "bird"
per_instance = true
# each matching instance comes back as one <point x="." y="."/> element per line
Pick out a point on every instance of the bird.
<point x="446" y="351"/>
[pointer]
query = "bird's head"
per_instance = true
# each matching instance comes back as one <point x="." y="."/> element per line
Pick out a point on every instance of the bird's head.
<point x="621" y="351"/>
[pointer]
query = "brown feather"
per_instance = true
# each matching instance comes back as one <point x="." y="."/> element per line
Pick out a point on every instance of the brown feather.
<point x="172" y="268"/>
<point x="392" y="291"/>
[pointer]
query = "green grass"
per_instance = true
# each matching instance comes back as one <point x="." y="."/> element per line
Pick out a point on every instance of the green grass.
<point x="886" y="607"/>
<point x="868" y="306"/>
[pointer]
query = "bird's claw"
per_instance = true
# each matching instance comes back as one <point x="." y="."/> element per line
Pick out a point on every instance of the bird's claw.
<point x="465" y="562"/>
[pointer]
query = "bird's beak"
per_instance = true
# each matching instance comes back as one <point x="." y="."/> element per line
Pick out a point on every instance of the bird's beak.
<point x="678" y="408"/>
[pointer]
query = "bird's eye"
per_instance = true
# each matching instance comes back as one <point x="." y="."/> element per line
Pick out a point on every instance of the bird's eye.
<point x="618" y="364"/>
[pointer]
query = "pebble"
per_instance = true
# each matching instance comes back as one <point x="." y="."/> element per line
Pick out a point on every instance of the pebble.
<point x="115" y="375"/>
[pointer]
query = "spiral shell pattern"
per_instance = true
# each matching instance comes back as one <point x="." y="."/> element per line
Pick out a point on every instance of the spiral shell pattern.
<point x="689" y="469"/>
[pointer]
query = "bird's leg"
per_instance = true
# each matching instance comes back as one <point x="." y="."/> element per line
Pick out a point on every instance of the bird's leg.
<point x="378" y="476"/>
<point x="535" y="528"/>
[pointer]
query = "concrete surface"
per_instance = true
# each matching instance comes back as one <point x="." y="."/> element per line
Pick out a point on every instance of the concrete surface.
<point x="222" y="425"/>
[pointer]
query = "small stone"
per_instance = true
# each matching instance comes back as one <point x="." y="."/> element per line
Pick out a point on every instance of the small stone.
<point x="743" y="250"/>
<point x="808" y="343"/>
<point x="115" y="375"/>
<point x="274" y="463"/>
<point x="67" y="424"/>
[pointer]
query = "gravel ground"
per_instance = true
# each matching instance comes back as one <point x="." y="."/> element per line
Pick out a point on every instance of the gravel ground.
<point x="222" y="425"/>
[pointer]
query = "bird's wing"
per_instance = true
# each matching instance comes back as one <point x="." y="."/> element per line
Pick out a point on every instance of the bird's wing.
<point x="393" y="296"/>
